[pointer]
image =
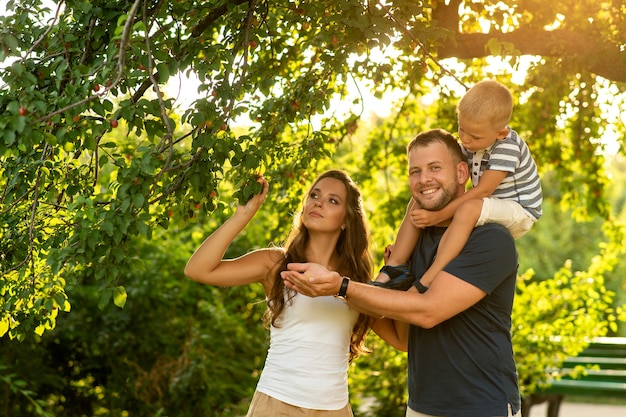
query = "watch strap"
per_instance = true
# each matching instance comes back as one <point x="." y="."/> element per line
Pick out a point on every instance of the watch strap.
<point x="343" y="290"/>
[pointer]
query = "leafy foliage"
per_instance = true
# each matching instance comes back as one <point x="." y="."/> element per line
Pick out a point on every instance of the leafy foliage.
<point x="177" y="348"/>
<point x="557" y="318"/>
<point x="109" y="179"/>
<point x="81" y="74"/>
<point x="378" y="381"/>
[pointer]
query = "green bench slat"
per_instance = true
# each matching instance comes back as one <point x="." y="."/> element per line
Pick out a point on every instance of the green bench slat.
<point x="609" y="341"/>
<point x="609" y="354"/>
<point x="602" y="362"/>
<point x="581" y="386"/>
<point x="605" y="347"/>
<point x="612" y="351"/>
<point x="615" y="375"/>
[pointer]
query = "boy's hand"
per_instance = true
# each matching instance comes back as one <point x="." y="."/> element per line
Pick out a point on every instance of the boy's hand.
<point x="424" y="218"/>
<point x="387" y="253"/>
<point x="383" y="277"/>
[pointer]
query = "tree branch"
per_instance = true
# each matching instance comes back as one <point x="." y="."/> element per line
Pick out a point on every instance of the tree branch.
<point x="601" y="58"/>
<point x="209" y="19"/>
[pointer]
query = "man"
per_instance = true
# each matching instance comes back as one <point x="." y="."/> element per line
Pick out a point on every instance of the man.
<point x="460" y="352"/>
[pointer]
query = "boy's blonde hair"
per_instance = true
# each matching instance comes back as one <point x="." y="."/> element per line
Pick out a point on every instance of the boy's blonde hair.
<point x="487" y="102"/>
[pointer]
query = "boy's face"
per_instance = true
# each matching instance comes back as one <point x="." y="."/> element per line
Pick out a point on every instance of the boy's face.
<point x="476" y="136"/>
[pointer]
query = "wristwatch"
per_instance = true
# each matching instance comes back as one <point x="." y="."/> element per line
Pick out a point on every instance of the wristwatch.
<point x="343" y="289"/>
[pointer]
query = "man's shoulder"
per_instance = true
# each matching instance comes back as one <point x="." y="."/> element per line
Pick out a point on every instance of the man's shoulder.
<point x="491" y="244"/>
<point x="488" y="256"/>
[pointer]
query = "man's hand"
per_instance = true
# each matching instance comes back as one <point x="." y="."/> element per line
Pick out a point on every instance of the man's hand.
<point x="424" y="218"/>
<point x="311" y="279"/>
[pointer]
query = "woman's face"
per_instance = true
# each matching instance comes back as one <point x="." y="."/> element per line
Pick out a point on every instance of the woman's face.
<point x="325" y="207"/>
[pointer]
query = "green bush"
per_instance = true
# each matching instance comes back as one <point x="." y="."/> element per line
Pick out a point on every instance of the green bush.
<point x="557" y="317"/>
<point x="177" y="348"/>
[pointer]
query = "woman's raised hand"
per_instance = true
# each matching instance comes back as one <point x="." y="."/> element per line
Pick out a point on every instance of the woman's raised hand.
<point x="251" y="207"/>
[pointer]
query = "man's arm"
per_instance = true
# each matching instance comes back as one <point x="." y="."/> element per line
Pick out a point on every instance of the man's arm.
<point x="447" y="296"/>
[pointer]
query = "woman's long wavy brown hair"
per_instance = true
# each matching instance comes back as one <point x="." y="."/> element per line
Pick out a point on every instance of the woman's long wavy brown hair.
<point x="352" y="250"/>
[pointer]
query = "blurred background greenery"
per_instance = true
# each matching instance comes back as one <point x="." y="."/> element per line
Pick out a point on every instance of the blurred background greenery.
<point x="110" y="178"/>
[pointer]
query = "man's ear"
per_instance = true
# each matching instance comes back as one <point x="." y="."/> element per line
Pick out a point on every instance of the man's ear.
<point x="462" y="172"/>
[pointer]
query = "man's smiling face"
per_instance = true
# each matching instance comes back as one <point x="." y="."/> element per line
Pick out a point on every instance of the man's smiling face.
<point x="433" y="176"/>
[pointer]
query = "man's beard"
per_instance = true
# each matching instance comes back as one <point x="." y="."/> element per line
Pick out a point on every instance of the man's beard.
<point x="447" y="194"/>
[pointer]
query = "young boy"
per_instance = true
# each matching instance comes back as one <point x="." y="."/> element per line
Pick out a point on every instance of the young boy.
<point x="506" y="187"/>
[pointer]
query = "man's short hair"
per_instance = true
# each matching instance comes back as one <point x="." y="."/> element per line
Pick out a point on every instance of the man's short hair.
<point x="444" y="137"/>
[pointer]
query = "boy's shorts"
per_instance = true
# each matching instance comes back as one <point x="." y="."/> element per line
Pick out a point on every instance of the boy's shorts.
<point x="507" y="213"/>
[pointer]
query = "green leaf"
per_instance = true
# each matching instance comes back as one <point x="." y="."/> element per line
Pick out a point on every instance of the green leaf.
<point x="50" y="138"/>
<point x="9" y="137"/>
<point x="10" y="41"/>
<point x="119" y="296"/>
<point x="17" y="67"/>
<point x="107" y="226"/>
<point x="143" y="228"/>
<point x="105" y="297"/>
<point x="138" y="200"/>
<point x="163" y="72"/>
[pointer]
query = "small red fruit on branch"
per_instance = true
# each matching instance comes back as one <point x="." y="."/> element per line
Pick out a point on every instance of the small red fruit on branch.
<point x="23" y="111"/>
<point x="114" y="123"/>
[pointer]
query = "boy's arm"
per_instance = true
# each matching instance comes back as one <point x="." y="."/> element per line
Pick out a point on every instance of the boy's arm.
<point x="395" y="333"/>
<point x="489" y="181"/>
<point x="487" y="184"/>
<point x="406" y="239"/>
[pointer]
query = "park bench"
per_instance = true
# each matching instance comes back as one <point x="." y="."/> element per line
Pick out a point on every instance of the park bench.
<point x="608" y="354"/>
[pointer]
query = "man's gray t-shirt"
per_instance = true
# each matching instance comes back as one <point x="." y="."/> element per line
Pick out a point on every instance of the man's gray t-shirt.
<point x="464" y="367"/>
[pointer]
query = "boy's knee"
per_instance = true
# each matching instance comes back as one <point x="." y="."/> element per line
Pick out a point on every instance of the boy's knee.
<point x="471" y="208"/>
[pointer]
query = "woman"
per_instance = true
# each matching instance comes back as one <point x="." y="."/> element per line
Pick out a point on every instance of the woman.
<point x="312" y="340"/>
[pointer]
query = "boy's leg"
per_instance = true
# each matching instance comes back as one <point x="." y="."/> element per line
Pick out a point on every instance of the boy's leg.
<point x="400" y="278"/>
<point x="455" y="238"/>
<point x="507" y="213"/>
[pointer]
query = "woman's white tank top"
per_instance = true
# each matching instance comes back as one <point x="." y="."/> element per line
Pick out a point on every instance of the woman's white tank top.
<point x="307" y="361"/>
